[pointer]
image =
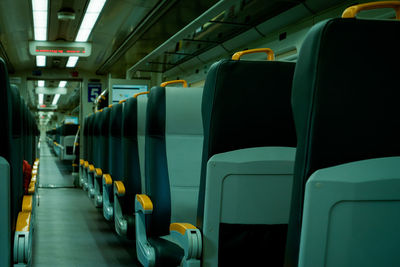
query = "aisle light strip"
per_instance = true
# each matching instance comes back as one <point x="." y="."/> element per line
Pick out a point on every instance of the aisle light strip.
<point x="41" y="99"/>
<point x="55" y="99"/>
<point x="41" y="61"/>
<point x="39" y="9"/>
<point x="92" y="13"/>
<point x="62" y="83"/>
<point x="72" y="62"/>
<point x="89" y="20"/>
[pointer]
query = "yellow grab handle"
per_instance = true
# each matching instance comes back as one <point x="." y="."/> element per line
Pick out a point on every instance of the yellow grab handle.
<point x="270" y="53"/>
<point x="142" y="93"/>
<point x="352" y="11"/>
<point x="174" y="81"/>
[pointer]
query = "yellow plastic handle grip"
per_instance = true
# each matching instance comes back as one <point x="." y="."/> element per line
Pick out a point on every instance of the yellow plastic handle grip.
<point x="270" y="53"/>
<point x="142" y="93"/>
<point x="174" y="81"/>
<point x="352" y="11"/>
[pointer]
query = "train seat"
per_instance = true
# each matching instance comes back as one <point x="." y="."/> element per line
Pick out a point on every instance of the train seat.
<point x="94" y="161"/>
<point x="104" y="149"/>
<point x="100" y="157"/>
<point x="85" y="142"/>
<point x="346" y="197"/>
<point x="67" y="139"/>
<point x="125" y="190"/>
<point x="174" y="139"/>
<point x="17" y="131"/>
<point x="87" y="152"/>
<point x="248" y="160"/>
<point x="115" y="159"/>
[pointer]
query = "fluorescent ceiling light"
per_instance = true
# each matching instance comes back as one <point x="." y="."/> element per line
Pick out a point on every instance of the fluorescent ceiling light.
<point x="72" y="62"/>
<point x="40" y="34"/>
<point x="89" y="20"/>
<point x="62" y="83"/>
<point x="95" y="6"/>
<point x="39" y="9"/>
<point x="41" y="99"/>
<point x="55" y="99"/>
<point x="41" y="83"/>
<point x="39" y="5"/>
<point x="83" y="35"/>
<point x="41" y="61"/>
<point x="40" y="19"/>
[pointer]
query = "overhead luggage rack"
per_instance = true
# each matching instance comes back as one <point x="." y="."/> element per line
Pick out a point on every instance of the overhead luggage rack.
<point x="213" y="28"/>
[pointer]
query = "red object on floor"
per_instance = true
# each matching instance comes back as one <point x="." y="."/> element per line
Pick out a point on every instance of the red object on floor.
<point x="27" y="174"/>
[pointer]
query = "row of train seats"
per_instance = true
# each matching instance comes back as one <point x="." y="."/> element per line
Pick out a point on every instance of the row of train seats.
<point x="18" y="173"/>
<point x="271" y="163"/>
<point x="63" y="139"/>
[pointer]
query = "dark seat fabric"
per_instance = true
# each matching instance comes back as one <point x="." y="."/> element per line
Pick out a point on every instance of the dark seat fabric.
<point x="69" y="129"/>
<point x="345" y="102"/>
<point x="6" y="139"/>
<point x="17" y="149"/>
<point x="90" y="138"/>
<point x="246" y="104"/>
<point x="157" y="182"/>
<point x="167" y="253"/>
<point x="98" y="145"/>
<point x="131" y="166"/>
<point x="104" y="146"/>
<point x="115" y="142"/>
<point x="85" y="139"/>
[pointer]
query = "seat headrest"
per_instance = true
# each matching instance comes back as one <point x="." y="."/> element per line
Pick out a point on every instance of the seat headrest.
<point x="94" y="124"/>
<point x="155" y="119"/>
<point x="346" y="101"/>
<point x="129" y="118"/>
<point x="104" y="121"/>
<point x="116" y="120"/>
<point x="183" y="110"/>
<point x="247" y="104"/>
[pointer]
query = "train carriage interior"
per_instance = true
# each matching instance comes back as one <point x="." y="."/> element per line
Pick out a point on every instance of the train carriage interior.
<point x="199" y="133"/>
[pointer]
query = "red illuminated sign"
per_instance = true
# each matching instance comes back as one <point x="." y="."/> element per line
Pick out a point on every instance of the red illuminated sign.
<point x="60" y="50"/>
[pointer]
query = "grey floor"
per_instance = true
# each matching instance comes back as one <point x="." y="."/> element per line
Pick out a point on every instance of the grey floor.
<point x="69" y="230"/>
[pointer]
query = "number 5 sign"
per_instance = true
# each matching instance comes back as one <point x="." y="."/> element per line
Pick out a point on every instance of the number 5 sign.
<point x="94" y="90"/>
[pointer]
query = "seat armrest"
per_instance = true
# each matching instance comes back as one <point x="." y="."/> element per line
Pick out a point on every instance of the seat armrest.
<point x="91" y="168"/>
<point x="119" y="188"/>
<point x="188" y="237"/>
<point x="143" y="203"/>
<point x="120" y="222"/>
<point x="31" y="188"/>
<point x="107" y="179"/>
<point x="145" y="252"/>
<point x="23" y="221"/>
<point x="98" y="172"/>
<point x="27" y="203"/>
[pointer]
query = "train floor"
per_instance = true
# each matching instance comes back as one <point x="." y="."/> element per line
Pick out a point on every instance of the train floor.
<point x="69" y="230"/>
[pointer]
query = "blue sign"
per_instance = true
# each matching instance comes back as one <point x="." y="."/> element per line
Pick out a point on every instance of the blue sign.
<point x="94" y="90"/>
